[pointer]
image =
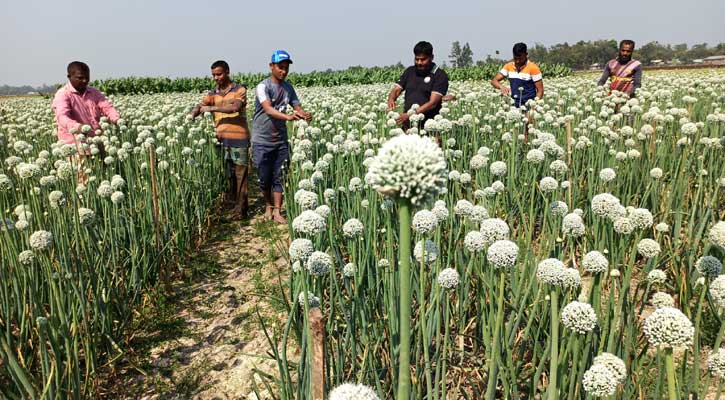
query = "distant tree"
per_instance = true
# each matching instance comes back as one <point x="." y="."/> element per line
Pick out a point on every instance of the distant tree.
<point x="455" y="55"/>
<point x="466" y="57"/>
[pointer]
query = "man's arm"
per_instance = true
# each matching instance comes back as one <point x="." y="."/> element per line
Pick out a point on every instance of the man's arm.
<point x="62" y="110"/>
<point x="435" y="99"/>
<point x="637" y="81"/>
<point x="605" y="76"/>
<point x="107" y="108"/>
<point x="539" y="85"/>
<point x="206" y="101"/>
<point x="393" y="95"/>
<point x="236" y="105"/>
<point x="496" y="82"/>
<point x="302" y="114"/>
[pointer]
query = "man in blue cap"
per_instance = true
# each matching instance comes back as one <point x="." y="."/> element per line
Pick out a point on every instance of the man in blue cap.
<point x="269" y="134"/>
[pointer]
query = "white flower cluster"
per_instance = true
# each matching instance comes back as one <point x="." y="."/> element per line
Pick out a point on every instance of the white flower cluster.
<point x="424" y="222"/>
<point x="408" y="166"/>
<point x="300" y="249"/>
<point x="463" y="208"/>
<point x="716" y="363"/>
<point x="351" y="391"/>
<point x="717" y="291"/>
<point x="312" y="300"/>
<point x="599" y="381"/>
<point x="717" y="234"/>
<point x="448" y="278"/>
<point x="319" y="263"/>
<point x="474" y="241"/>
<point x="662" y="299"/>
<point x="26" y="257"/>
<point x="548" y="184"/>
<point x="595" y="262"/>
<point x="494" y="229"/>
<point x="426" y="252"/>
<point x="306" y="199"/>
<point x="502" y="254"/>
<point x="657" y="277"/>
<point x="605" y="205"/>
<point x="615" y="364"/>
<point x="573" y="225"/>
<point x="348" y="270"/>
<point x="40" y="240"/>
<point x="498" y="168"/>
<point x="579" y="317"/>
<point x="553" y="272"/>
<point x="607" y="175"/>
<point x="668" y="327"/>
<point x="648" y="248"/>
<point x="86" y="216"/>
<point x="309" y="223"/>
<point x="558" y="208"/>
<point x="352" y="228"/>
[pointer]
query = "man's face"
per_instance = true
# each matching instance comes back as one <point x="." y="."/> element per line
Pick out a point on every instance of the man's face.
<point x="79" y="79"/>
<point x="422" y="62"/>
<point x="280" y="70"/>
<point x="220" y="75"/>
<point x="625" y="52"/>
<point x="520" y="61"/>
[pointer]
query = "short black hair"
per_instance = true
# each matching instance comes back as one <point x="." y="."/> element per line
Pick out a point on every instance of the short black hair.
<point x="628" y="42"/>
<point x="423" y="48"/>
<point x="220" y="63"/>
<point x="520" y="49"/>
<point x="79" y="66"/>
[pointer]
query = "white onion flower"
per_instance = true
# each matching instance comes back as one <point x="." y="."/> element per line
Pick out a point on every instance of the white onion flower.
<point x="86" y="216"/>
<point x="717" y="290"/>
<point x="662" y="299"/>
<point x="502" y="254"/>
<point x="607" y="175"/>
<point x="573" y="225"/>
<point x="656" y="173"/>
<point x="408" y="166"/>
<point x="498" y="168"/>
<point x="351" y="391"/>
<point x="595" y="262"/>
<point x="558" y="208"/>
<point x="604" y="204"/>
<point x="348" y="270"/>
<point x="642" y="218"/>
<point x="599" y="381"/>
<point x="427" y="255"/>
<point x="494" y="229"/>
<point x="309" y="223"/>
<point x="448" y="278"/>
<point x="548" y="184"/>
<point x="306" y="199"/>
<point x="26" y="257"/>
<point x="319" y="263"/>
<point x="657" y="277"/>
<point x="624" y="226"/>
<point x="300" y="249"/>
<point x="717" y="234"/>
<point x="648" y="248"/>
<point x="463" y="208"/>
<point x="474" y="241"/>
<point x="40" y="240"/>
<point x="614" y="363"/>
<point x="716" y="363"/>
<point x="579" y="317"/>
<point x="352" y="228"/>
<point x="424" y="222"/>
<point x="668" y="327"/>
<point x="312" y="300"/>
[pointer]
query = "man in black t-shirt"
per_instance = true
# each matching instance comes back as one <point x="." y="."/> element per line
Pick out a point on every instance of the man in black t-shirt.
<point x="424" y="84"/>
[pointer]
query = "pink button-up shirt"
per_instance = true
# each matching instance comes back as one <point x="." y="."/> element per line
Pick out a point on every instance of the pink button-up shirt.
<point x="72" y="110"/>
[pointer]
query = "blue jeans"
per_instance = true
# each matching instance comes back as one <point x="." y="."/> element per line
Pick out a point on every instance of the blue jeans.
<point x="269" y="160"/>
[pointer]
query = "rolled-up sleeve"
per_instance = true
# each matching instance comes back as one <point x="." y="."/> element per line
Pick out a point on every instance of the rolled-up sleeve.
<point x="62" y="110"/>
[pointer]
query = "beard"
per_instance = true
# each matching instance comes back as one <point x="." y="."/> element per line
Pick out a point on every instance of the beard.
<point x="625" y="59"/>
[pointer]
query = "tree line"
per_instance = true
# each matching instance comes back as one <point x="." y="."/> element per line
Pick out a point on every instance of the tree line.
<point x="582" y="54"/>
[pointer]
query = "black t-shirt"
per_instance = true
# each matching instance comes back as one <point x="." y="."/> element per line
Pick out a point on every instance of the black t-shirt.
<point x="418" y="87"/>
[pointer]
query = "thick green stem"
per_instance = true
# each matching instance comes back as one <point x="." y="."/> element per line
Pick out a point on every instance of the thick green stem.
<point x="671" y="383"/>
<point x="554" y="362"/>
<point x="493" y="367"/>
<point x="405" y="299"/>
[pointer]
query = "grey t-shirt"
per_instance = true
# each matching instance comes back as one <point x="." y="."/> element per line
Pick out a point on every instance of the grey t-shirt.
<point x="268" y="130"/>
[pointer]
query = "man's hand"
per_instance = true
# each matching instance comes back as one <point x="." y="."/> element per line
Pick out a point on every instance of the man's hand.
<point x="391" y="105"/>
<point x="303" y="115"/>
<point x="402" y="119"/>
<point x="505" y="91"/>
<point x="292" y="117"/>
<point x="195" y="111"/>
<point x="205" y="109"/>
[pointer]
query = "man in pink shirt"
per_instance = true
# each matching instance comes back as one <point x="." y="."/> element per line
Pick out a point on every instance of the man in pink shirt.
<point x="77" y="104"/>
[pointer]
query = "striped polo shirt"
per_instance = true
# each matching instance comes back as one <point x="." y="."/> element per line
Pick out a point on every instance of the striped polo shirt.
<point x="231" y="128"/>
<point x="522" y="81"/>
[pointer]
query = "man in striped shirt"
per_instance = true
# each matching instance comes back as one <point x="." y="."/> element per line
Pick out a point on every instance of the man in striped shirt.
<point x="227" y="102"/>
<point x="525" y="79"/>
<point x="626" y="73"/>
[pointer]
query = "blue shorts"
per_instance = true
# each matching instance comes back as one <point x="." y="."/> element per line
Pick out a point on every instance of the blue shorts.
<point x="269" y="159"/>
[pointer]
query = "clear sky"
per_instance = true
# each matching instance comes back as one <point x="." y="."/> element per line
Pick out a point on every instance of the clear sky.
<point x="182" y="38"/>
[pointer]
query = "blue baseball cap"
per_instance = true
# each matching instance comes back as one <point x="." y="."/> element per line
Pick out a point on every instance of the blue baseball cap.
<point x="281" y="55"/>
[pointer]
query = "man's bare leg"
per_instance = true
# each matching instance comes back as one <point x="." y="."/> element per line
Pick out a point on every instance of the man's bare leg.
<point x="240" y="183"/>
<point x="267" y="193"/>
<point x="276" y="216"/>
